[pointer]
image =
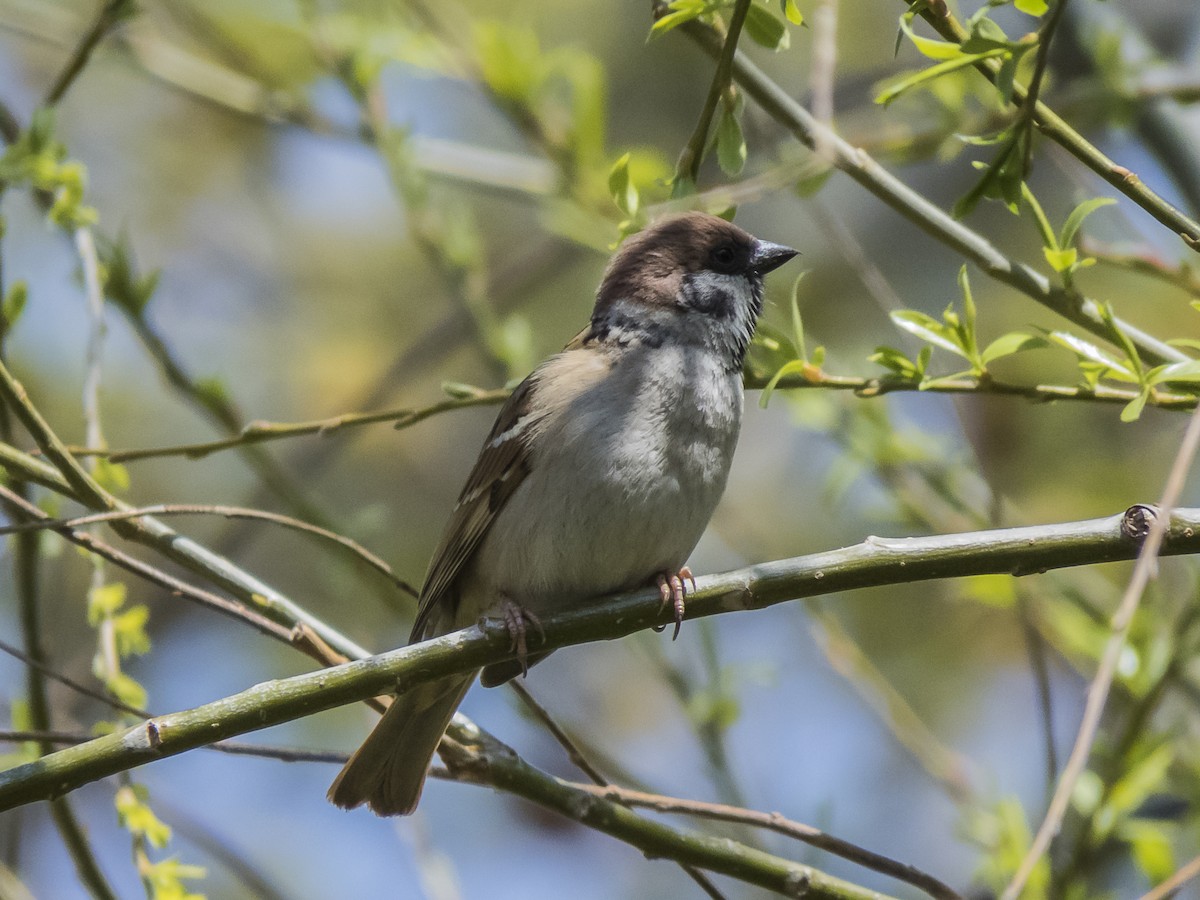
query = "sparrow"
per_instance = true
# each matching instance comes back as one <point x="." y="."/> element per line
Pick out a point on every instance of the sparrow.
<point x="599" y="475"/>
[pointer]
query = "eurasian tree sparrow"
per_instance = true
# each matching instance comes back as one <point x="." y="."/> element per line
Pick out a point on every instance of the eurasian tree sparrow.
<point x="599" y="475"/>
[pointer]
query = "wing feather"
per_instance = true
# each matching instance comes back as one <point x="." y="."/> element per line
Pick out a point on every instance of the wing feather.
<point x="502" y="466"/>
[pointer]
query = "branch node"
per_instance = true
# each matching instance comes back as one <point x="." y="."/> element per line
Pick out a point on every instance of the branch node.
<point x="1137" y="521"/>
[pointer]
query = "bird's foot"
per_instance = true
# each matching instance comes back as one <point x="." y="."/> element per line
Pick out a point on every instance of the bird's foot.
<point x="673" y="589"/>
<point x="517" y="620"/>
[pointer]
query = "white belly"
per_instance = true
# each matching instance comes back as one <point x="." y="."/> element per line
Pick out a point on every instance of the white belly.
<point x="622" y="491"/>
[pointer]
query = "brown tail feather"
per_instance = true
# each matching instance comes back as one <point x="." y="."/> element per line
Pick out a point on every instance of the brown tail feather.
<point x="388" y="771"/>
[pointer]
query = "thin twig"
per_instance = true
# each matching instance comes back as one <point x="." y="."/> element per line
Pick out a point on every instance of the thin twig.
<point x="260" y="431"/>
<point x="692" y="154"/>
<point x="781" y="825"/>
<point x="233" y="748"/>
<point x="947" y="767"/>
<point x="824" y="69"/>
<point x="231" y="512"/>
<point x="110" y="15"/>
<point x="576" y="756"/>
<point x="1029" y="105"/>
<point x="1036" y="649"/>
<point x="585" y="766"/>
<point x="1168" y="888"/>
<point x="1097" y="694"/>
<point x="157" y="576"/>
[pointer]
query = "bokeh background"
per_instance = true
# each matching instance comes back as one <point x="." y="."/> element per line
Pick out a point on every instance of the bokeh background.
<point x="298" y="279"/>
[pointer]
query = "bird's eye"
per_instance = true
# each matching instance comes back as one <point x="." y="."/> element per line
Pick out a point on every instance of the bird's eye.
<point x="723" y="256"/>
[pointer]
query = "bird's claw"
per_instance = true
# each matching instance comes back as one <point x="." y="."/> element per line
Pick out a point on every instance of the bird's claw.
<point x="673" y="590"/>
<point x="516" y="621"/>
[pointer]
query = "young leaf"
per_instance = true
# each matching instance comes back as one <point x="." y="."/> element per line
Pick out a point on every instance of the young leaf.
<point x="1061" y="260"/>
<point x="791" y="12"/>
<point x="1008" y="344"/>
<point x="731" y="145"/>
<point x="1089" y="352"/>
<point x="896" y="88"/>
<point x="765" y="28"/>
<point x="929" y="329"/>
<point x="1187" y="372"/>
<point x="1032" y="7"/>
<point x="622" y="189"/>
<point x="929" y="47"/>
<point x="1078" y="214"/>
<point x="680" y="11"/>
<point x="13" y="304"/>
<point x="795" y="367"/>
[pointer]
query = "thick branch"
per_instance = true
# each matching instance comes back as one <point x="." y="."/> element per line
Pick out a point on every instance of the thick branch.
<point x="876" y="561"/>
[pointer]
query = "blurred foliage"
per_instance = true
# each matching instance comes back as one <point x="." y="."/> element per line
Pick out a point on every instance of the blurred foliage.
<point x="357" y="204"/>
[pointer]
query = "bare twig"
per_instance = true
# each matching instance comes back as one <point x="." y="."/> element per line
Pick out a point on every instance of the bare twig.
<point x="111" y="13"/>
<point x="947" y="767"/>
<point x="1029" y="106"/>
<point x="157" y="576"/>
<point x="585" y="766"/>
<point x="781" y="825"/>
<point x="1168" y="888"/>
<point x="260" y="431"/>
<point x="1097" y="694"/>
<point x="231" y="512"/>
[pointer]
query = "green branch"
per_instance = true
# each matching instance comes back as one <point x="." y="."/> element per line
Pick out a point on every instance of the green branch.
<point x="936" y="222"/>
<point x="1074" y="143"/>
<point x="874" y="562"/>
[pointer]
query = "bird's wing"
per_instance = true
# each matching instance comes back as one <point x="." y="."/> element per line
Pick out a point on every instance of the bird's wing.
<point x="502" y="466"/>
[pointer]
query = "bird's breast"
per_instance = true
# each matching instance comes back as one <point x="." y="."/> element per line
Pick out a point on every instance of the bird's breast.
<point x="622" y="484"/>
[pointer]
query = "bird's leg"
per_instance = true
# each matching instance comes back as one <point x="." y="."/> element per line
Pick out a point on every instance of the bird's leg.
<point x="516" y="621"/>
<point x="673" y="589"/>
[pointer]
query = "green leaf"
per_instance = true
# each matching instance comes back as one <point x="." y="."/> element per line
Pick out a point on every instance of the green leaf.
<point x="126" y="689"/>
<point x="1132" y="411"/>
<point x="137" y="818"/>
<point x="1186" y="372"/>
<point x="1188" y="343"/>
<point x="934" y="49"/>
<point x="1078" y="214"/>
<point x="1141" y="780"/>
<point x="970" y="340"/>
<point x="1061" y="260"/>
<point x="797" y="322"/>
<point x="14" y="304"/>
<point x="104" y="601"/>
<point x="796" y="366"/>
<point x="1150" y="843"/>
<point x="731" y="145"/>
<point x="111" y="476"/>
<point x="896" y="361"/>
<point x="1089" y="352"/>
<point x="1032" y="7"/>
<point x="791" y="12"/>
<point x="896" y="88"/>
<point x="930" y="330"/>
<point x="510" y="60"/>
<point x="1008" y="344"/>
<point x="624" y="193"/>
<point x="129" y="629"/>
<point x="765" y="28"/>
<point x="985" y="35"/>
<point x="681" y="11"/>
<point x="1123" y="340"/>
